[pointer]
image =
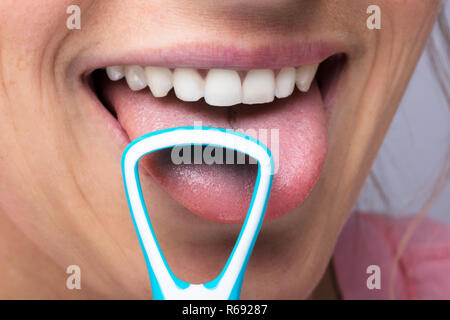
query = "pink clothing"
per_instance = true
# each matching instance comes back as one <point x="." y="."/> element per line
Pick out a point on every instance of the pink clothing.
<point x="423" y="271"/>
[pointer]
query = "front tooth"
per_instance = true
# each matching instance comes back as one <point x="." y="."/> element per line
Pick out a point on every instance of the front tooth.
<point x="115" y="72"/>
<point x="305" y="76"/>
<point x="285" y="82"/>
<point x="188" y="84"/>
<point x="135" y="77"/>
<point x="258" y="86"/>
<point x="159" y="80"/>
<point x="223" y="88"/>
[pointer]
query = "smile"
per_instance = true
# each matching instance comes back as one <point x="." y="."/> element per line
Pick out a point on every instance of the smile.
<point x="250" y="91"/>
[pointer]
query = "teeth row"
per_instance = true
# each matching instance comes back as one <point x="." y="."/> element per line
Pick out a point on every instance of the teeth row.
<point x="221" y="87"/>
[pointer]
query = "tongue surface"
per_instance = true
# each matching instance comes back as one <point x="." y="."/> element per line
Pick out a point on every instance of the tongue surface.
<point x="223" y="192"/>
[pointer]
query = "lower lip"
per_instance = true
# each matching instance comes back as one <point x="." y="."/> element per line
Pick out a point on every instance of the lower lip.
<point x="222" y="193"/>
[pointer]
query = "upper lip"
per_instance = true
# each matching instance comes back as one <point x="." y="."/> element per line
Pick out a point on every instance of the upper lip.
<point x="210" y="55"/>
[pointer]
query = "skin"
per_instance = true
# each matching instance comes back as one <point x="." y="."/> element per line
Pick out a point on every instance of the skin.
<point x="61" y="194"/>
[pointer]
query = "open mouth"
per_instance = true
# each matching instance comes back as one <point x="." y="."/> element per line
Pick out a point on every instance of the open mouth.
<point x="284" y="106"/>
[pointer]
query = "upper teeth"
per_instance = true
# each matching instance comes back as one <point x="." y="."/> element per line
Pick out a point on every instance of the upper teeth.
<point x="221" y="87"/>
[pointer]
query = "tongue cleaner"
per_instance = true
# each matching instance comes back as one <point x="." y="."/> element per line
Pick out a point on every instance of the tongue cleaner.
<point x="165" y="285"/>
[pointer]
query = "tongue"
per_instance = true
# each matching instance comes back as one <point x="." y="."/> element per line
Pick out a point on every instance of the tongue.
<point x="223" y="192"/>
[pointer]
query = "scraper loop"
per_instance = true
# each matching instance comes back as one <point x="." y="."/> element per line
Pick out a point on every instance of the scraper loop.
<point x="165" y="285"/>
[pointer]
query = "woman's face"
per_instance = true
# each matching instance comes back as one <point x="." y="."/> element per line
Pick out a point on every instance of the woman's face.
<point x="64" y="127"/>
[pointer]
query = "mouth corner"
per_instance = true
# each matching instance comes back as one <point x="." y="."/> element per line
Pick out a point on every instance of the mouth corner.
<point x="328" y="76"/>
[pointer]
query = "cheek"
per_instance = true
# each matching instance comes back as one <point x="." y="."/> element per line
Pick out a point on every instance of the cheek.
<point x="410" y="13"/>
<point x="409" y="22"/>
<point x="32" y="23"/>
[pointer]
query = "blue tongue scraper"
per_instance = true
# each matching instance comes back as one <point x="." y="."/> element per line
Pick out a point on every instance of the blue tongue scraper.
<point x="165" y="285"/>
